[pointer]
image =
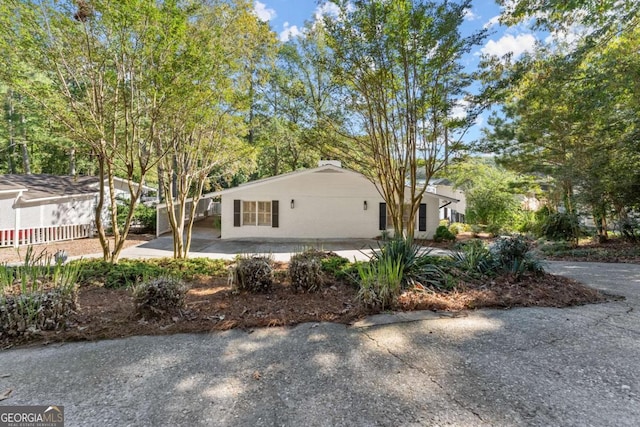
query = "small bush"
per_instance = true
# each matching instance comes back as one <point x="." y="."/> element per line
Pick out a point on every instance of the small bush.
<point x="561" y="226"/>
<point x="36" y="295"/>
<point x="253" y="274"/>
<point x="473" y="257"/>
<point x="305" y="270"/>
<point x="513" y="255"/>
<point x="143" y="220"/>
<point x="493" y="229"/>
<point x="380" y="283"/>
<point x="159" y="297"/>
<point x="458" y="227"/>
<point x="443" y="234"/>
<point x="335" y="265"/>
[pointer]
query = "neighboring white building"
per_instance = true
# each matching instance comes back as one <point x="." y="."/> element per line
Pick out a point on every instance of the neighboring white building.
<point x="327" y="202"/>
<point x="454" y="212"/>
<point x="43" y="208"/>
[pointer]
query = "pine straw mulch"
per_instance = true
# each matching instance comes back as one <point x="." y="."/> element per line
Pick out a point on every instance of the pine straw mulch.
<point x="211" y="305"/>
<point x="612" y="251"/>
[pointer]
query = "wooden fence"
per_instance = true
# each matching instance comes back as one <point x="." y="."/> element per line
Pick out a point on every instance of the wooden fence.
<point x="35" y="236"/>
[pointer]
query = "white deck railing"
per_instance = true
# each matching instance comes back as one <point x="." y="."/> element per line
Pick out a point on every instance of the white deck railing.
<point x="35" y="236"/>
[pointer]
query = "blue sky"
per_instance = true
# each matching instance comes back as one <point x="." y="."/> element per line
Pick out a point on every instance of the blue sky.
<point x="287" y="18"/>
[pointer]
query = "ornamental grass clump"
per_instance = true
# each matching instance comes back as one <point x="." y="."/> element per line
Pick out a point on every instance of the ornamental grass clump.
<point x="380" y="283"/>
<point x="159" y="297"/>
<point x="253" y="274"/>
<point x="37" y="295"/>
<point x="305" y="270"/>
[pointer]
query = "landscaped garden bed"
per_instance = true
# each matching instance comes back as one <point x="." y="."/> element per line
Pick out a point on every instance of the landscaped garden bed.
<point x="118" y="301"/>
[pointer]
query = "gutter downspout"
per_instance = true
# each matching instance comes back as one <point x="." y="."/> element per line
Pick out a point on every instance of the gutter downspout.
<point x="445" y="205"/>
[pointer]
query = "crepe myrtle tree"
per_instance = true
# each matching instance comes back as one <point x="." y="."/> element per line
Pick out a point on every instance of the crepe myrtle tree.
<point x="398" y="65"/>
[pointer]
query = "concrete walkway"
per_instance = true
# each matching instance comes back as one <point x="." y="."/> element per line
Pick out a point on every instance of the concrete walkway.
<point x="529" y="367"/>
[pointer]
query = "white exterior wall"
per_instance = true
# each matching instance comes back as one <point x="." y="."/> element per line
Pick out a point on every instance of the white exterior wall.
<point x="52" y="213"/>
<point x="7" y="214"/>
<point x="328" y="204"/>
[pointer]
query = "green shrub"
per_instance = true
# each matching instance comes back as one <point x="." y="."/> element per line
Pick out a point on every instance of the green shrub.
<point x="416" y="265"/>
<point x="458" y="227"/>
<point x="513" y="255"/>
<point x="335" y="265"/>
<point x="443" y="234"/>
<point x="474" y="257"/>
<point x="144" y="217"/>
<point x="493" y="229"/>
<point x="561" y="226"/>
<point x="159" y="297"/>
<point x="380" y="283"/>
<point x="305" y="270"/>
<point x="253" y="274"/>
<point x="129" y="272"/>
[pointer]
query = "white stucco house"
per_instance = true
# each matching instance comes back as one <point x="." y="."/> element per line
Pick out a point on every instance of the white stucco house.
<point x="327" y="202"/>
<point x="40" y="208"/>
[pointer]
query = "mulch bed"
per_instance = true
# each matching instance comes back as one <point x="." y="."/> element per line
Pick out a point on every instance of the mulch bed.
<point x="613" y="250"/>
<point x="211" y="305"/>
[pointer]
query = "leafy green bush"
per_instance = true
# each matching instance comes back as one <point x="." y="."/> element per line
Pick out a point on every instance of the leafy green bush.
<point x="630" y="229"/>
<point x="129" y="272"/>
<point x="458" y="227"/>
<point x="380" y="283"/>
<point x="159" y="297"/>
<point x="253" y="274"/>
<point x="416" y="265"/>
<point x="335" y="265"/>
<point x="513" y="255"/>
<point x="493" y="229"/>
<point x="305" y="270"/>
<point x="474" y="257"/>
<point x="561" y="226"/>
<point x="144" y="217"/>
<point x="443" y="234"/>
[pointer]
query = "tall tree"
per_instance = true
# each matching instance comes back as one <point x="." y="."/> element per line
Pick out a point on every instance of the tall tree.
<point x="399" y="66"/>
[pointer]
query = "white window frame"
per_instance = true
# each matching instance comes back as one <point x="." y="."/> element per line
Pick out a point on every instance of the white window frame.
<point x="260" y="214"/>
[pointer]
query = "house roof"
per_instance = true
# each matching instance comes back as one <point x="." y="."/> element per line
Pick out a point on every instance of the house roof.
<point x="44" y="186"/>
<point x="321" y="169"/>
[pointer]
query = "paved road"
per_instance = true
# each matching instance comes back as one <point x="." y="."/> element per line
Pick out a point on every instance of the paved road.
<point x="533" y="366"/>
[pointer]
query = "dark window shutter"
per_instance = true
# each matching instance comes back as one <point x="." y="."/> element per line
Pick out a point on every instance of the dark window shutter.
<point x="446" y="213"/>
<point x="236" y="213"/>
<point x="382" y="225"/>
<point x="422" y="217"/>
<point x="275" y="220"/>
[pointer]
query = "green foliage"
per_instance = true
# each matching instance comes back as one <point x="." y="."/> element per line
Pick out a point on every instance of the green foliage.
<point x="416" y="265"/>
<point x="37" y="295"/>
<point x="507" y="255"/>
<point x="380" y="283"/>
<point x="513" y="255"/>
<point x="630" y="229"/>
<point x="443" y="234"/>
<point x="253" y="274"/>
<point x="129" y="272"/>
<point x="473" y="257"/>
<point x="159" y="297"/>
<point x="561" y="226"/>
<point x="459" y="227"/>
<point x="144" y="217"/>
<point x="305" y="270"/>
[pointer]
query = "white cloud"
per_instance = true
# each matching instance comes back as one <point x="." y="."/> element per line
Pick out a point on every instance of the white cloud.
<point x="289" y="32"/>
<point x="567" y="38"/>
<point x="326" y="8"/>
<point x="263" y="13"/>
<point x="469" y="15"/>
<point x="517" y="45"/>
<point x="492" y="22"/>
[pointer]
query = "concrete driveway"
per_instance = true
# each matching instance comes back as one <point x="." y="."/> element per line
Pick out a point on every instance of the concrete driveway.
<point x="533" y="366"/>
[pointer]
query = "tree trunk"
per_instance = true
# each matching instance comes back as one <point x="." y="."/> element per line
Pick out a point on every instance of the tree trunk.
<point x="72" y="161"/>
<point x="12" y="165"/>
<point x="26" y="163"/>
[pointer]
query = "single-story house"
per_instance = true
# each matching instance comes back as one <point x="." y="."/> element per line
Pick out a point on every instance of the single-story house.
<point x="40" y="208"/>
<point x="454" y="212"/>
<point x="325" y="202"/>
